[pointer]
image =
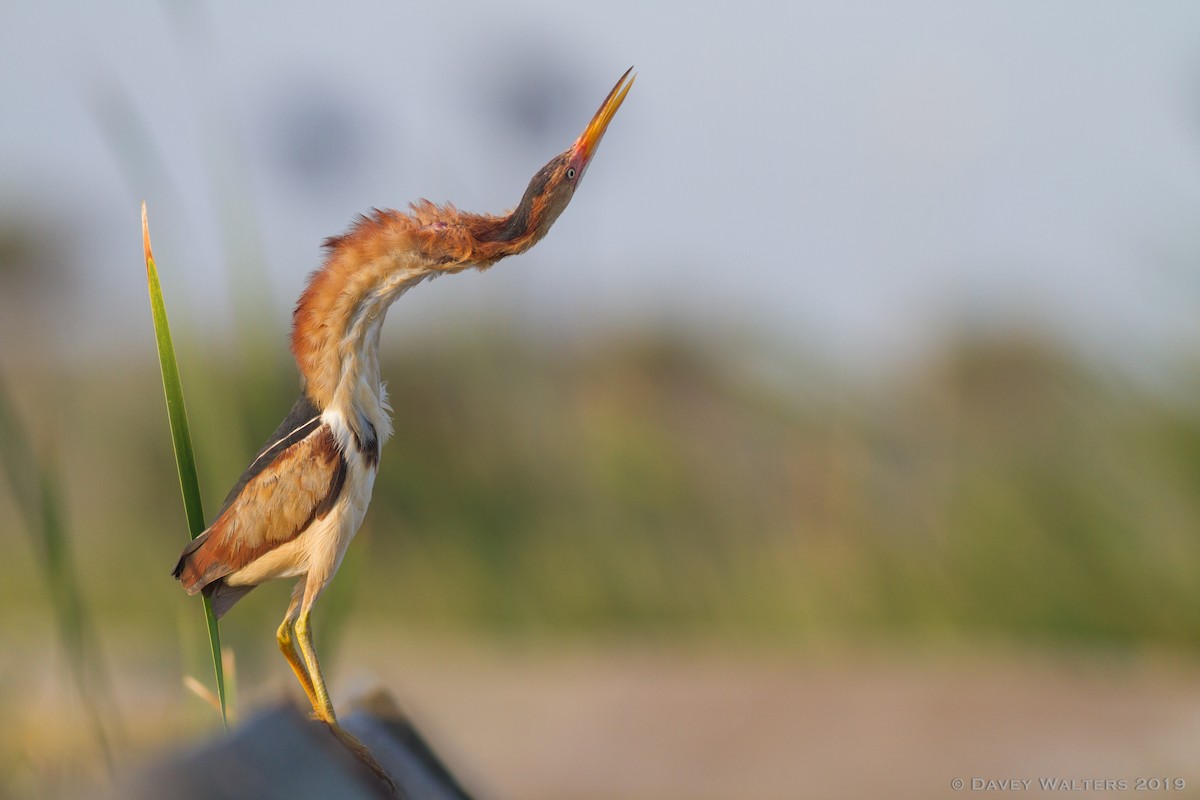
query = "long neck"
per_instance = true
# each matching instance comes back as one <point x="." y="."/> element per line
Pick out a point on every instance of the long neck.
<point x="336" y="325"/>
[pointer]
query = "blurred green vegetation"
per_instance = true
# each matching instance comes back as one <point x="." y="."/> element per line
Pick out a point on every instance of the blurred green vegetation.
<point x="658" y="486"/>
<point x="655" y="487"/>
<point x="33" y="483"/>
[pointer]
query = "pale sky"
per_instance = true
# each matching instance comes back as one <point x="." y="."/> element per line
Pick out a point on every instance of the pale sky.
<point x="855" y="178"/>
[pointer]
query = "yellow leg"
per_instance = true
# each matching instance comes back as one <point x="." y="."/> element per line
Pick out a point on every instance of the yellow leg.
<point x="309" y="673"/>
<point x="287" y="646"/>
<point x="315" y="686"/>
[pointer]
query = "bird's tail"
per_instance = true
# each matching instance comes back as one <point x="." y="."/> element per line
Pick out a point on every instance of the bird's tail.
<point x="223" y="596"/>
<point x="190" y="568"/>
<point x="199" y="573"/>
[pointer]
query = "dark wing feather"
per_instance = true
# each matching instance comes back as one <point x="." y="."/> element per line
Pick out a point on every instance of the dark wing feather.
<point x="302" y="420"/>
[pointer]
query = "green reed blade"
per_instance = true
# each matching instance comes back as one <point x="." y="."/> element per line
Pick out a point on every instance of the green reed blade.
<point x="181" y="438"/>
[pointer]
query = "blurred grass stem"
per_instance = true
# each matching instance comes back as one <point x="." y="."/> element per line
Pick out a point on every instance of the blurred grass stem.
<point x="35" y="487"/>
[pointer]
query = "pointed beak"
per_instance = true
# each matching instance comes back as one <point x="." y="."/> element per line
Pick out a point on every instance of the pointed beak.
<point x="585" y="146"/>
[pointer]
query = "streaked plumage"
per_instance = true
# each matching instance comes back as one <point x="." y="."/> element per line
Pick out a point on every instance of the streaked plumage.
<point x="295" y="509"/>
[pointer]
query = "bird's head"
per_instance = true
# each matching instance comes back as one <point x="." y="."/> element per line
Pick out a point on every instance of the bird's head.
<point x="553" y="185"/>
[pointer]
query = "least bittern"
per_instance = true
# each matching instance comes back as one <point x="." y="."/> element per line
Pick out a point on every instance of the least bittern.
<point x="299" y="503"/>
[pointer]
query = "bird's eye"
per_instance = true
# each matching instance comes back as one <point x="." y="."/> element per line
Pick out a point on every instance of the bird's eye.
<point x="570" y="172"/>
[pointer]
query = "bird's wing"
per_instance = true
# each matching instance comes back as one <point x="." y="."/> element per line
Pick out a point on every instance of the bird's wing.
<point x="302" y="420"/>
<point x="295" y="480"/>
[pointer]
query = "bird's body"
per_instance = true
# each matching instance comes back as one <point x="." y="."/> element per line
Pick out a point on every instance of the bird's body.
<point x="295" y="509"/>
<point x="304" y="496"/>
<point x="293" y="512"/>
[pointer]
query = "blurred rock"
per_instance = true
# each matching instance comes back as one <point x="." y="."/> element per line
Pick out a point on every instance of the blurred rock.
<point x="281" y="753"/>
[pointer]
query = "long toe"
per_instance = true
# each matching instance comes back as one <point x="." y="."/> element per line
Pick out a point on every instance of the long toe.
<point x="363" y="754"/>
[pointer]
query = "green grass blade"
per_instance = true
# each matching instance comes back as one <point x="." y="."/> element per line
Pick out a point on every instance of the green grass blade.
<point x="35" y="488"/>
<point x="75" y="626"/>
<point x="181" y="438"/>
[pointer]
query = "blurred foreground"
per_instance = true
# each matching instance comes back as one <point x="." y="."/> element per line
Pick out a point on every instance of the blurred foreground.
<point x="607" y="721"/>
<point x="655" y="569"/>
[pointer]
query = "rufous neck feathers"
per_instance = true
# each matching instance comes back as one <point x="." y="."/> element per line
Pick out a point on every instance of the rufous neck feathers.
<point x="335" y="327"/>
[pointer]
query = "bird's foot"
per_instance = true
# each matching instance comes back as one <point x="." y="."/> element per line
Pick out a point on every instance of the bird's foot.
<point x="363" y="754"/>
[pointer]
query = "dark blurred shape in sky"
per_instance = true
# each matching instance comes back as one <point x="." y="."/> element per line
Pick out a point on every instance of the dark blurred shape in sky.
<point x="24" y="257"/>
<point x="315" y="136"/>
<point x="35" y="275"/>
<point x="535" y="95"/>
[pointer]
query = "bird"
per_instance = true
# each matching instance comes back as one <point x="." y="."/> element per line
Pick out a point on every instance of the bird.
<point x="299" y="503"/>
